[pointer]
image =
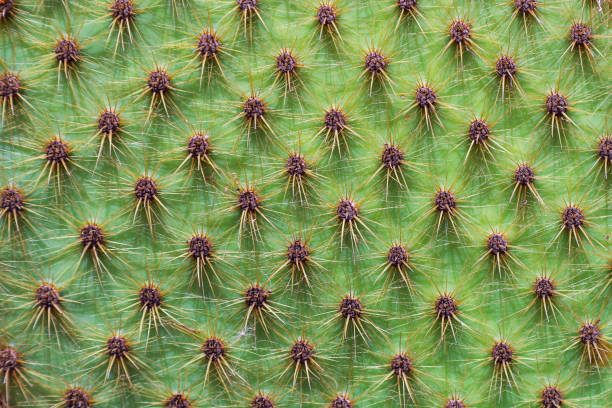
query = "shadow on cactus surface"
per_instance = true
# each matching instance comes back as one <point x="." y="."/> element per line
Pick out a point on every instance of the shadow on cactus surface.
<point x="339" y="203"/>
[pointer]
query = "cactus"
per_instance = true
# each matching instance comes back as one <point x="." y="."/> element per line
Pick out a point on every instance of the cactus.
<point x="270" y="203"/>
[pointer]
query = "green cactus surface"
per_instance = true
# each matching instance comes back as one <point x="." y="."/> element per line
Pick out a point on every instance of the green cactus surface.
<point x="305" y="203"/>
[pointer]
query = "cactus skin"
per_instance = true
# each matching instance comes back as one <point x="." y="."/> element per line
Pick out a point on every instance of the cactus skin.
<point x="135" y="312"/>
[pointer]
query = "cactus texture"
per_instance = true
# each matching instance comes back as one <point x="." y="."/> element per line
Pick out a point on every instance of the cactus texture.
<point x="305" y="203"/>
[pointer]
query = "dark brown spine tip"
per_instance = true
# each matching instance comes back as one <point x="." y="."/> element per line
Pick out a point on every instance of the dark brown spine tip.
<point x="214" y="349"/>
<point x="178" y="401"/>
<point x="122" y="10"/>
<point x="551" y="397"/>
<point x="150" y="297"/>
<point x="347" y="210"/>
<point x="402" y="365"/>
<point x="11" y="200"/>
<point x="302" y="351"/>
<point x="497" y="244"/>
<point x="158" y="81"/>
<point x="351" y="308"/>
<point x="77" y="398"/>
<point x="117" y="346"/>
<point x="502" y="353"/>
<point x="7" y="8"/>
<point x="572" y="217"/>
<point x="67" y="51"/>
<point x="145" y="189"/>
<point x="460" y="31"/>
<point x="326" y="14"/>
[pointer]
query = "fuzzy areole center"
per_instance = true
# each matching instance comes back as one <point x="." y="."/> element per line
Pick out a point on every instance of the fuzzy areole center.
<point x="425" y="97"/>
<point x="341" y="401"/>
<point x="198" y="145"/>
<point x="10" y="85"/>
<point x="296" y="165"/>
<point x="397" y="256"/>
<point x="326" y="14"/>
<point x="552" y="397"/>
<point x="213" y="349"/>
<point x="581" y="34"/>
<point x="47" y="296"/>
<point x="11" y="200"/>
<point x="123" y="10"/>
<point x="446" y="306"/>
<point x="524" y="175"/>
<point x="178" y="401"/>
<point x="460" y="31"/>
<point x="302" y="351"/>
<point x="200" y="247"/>
<point x="479" y="131"/>
<point x="108" y="122"/>
<point x="256" y="296"/>
<point x="67" y="51"/>
<point x="605" y="149"/>
<point x="150" y="297"/>
<point x="297" y="252"/>
<point x="145" y="189"/>
<point x="347" y="210"/>
<point x="445" y="201"/>
<point x="9" y="361"/>
<point x="572" y="217"/>
<point x="392" y="156"/>
<point x="402" y="365"/>
<point x="117" y="346"/>
<point x="406" y="5"/>
<point x="158" y="81"/>
<point x="351" y="308"/>
<point x="505" y="66"/>
<point x="590" y="333"/>
<point x="286" y="63"/>
<point x="544" y="288"/>
<point x="76" y="398"/>
<point x="262" y="401"/>
<point x="526" y="6"/>
<point x="497" y="244"/>
<point x="556" y="104"/>
<point x="247" y="5"/>
<point x="57" y="151"/>
<point x="208" y="44"/>
<point x="248" y="200"/>
<point x="375" y="62"/>
<point x="91" y="236"/>
<point x="335" y="120"/>
<point x="254" y="108"/>
<point x="502" y="353"/>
